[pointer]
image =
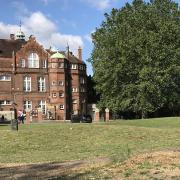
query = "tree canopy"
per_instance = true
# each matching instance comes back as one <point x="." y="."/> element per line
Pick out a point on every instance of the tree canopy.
<point x="136" y="57"/>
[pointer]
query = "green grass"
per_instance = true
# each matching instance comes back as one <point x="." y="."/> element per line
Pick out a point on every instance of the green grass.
<point x="65" y="141"/>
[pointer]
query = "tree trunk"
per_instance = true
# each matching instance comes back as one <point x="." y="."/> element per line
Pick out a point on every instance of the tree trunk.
<point x="143" y="114"/>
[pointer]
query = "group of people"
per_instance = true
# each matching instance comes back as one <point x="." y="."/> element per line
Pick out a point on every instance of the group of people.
<point x="20" y="117"/>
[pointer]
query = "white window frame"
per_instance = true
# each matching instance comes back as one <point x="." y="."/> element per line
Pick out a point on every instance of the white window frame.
<point x="5" y="78"/>
<point x="82" y="80"/>
<point x="82" y="89"/>
<point x="73" y="66"/>
<point x="54" y="65"/>
<point x="74" y="101"/>
<point x="61" y="94"/>
<point x="33" y="60"/>
<point x="27" y="84"/>
<point x="27" y="104"/>
<point x="61" y="106"/>
<point x="54" y="83"/>
<point x="41" y="84"/>
<point x="22" y="63"/>
<point x="42" y="105"/>
<point x="54" y="95"/>
<point x="74" y="89"/>
<point x="5" y="102"/>
<point x="61" y="83"/>
<point x="44" y="64"/>
<point x="61" y="65"/>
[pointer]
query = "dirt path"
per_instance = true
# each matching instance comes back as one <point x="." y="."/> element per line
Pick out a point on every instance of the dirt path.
<point x="159" y="165"/>
<point x="49" y="170"/>
<point x="155" y="165"/>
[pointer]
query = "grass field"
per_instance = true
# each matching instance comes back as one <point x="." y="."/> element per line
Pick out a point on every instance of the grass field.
<point x="59" y="142"/>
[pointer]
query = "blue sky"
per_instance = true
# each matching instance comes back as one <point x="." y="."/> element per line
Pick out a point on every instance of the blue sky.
<point x="57" y="22"/>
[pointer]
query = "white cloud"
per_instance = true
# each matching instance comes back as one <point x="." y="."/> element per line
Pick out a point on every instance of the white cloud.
<point x="44" y="30"/>
<point x="88" y="37"/>
<point x="100" y="4"/>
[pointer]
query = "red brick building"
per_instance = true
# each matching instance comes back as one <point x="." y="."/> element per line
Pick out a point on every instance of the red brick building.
<point x="32" y="77"/>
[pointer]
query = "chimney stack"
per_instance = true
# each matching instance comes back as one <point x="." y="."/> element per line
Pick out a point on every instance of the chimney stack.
<point x="80" y="53"/>
<point x="12" y="36"/>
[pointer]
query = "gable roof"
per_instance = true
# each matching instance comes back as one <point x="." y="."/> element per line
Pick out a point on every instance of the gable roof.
<point x="7" y="47"/>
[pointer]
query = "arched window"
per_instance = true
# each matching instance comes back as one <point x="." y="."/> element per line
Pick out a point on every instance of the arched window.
<point x="33" y="60"/>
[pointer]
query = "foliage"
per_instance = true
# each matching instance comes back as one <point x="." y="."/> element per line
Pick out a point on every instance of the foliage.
<point x="136" y="57"/>
<point x="92" y="95"/>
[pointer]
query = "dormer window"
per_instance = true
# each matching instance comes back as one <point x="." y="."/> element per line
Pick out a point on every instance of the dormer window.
<point x="33" y="60"/>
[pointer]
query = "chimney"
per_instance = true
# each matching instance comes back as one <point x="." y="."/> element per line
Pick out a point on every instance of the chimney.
<point x="80" y="53"/>
<point x="12" y="36"/>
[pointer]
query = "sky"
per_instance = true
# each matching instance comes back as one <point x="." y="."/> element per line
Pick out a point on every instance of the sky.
<point x="57" y="23"/>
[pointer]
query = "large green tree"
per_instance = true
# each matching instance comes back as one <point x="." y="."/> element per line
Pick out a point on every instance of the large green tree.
<point x="136" y="57"/>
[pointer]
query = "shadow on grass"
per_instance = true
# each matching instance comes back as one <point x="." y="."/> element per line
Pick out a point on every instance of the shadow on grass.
<point x="55" y="170"/>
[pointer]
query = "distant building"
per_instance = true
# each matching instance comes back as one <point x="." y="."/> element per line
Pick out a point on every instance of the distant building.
<point x="32" y="77"/>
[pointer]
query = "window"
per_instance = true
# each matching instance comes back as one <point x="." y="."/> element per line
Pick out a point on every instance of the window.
<point x="22" y="63"/>
<point x="73" y="66"/>
<point x="44" y="63"/>
<point x="61" y="106"/>
<point x="42" y="105"/>
<point x="82" y="89"/>
<point x="53" y="83"/>
<point x="54" y="65"/>
<point x="81" y="67"/>
<point x="74" y="90"/>
<point x="5" y="102"/>
<point x="61" y="94"/>
<point x="61" y="65"/>
<point x="82" y="80"/>
<point x="33" y="60"/>
<point x="54" y="95"/>
<point x="27" y="104"/>
<point x="41" y="84"/>
<point x="27" y="83"/>
<point x="61" y="83"/>
<point x="74" y="101"/>
<point x="5" y="78"/>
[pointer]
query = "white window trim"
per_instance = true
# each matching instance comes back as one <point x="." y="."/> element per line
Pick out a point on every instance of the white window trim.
<point x="61" y="94"/>
<point x="42" y="84"/>
<point x="44" y="64"/>
<point x="5" y="102"/>
<point x="61" y="83"/>
<point x="27" y="83"/>
<point x="5" y="78"/>
<point x="74" y="89"/>
<point x="22" y="63"/>
<point x="27" y="104"/>
<point x="33" y="60"/>
<point x="54" y="95"/>
<point x="61" y="65"/>
<point x="61" y="106"/>
<point x="73" y="66"/>
<point x="54" y="83"/>
<point x="42" y="105"/>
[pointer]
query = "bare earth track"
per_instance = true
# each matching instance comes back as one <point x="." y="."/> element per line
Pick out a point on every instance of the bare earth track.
<point x="153" y="165"/>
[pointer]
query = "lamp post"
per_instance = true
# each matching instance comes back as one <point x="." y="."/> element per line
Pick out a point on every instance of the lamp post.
<point x="14" y="102"/>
